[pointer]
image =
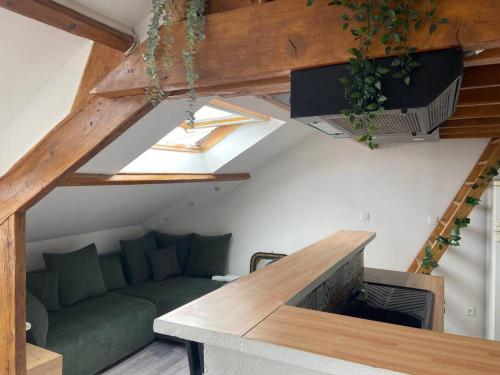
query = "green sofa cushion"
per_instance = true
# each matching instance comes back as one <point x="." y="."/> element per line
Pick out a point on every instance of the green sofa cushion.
<point x="136" y="262"/>
<point x="95" y="333"/>
<point x="44" y="284"/>
<point x="182" y="244"/>
<point x="80" y="275"/>
<point x="164" y="263"/>
<point x="112" y="271"/>
<point x="37" y="316"/>
<point x="173" y="292"/>
<point x="208" y="255"/>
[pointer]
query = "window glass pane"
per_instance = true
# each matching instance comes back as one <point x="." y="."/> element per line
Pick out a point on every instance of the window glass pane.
<point x="187" y="137"/>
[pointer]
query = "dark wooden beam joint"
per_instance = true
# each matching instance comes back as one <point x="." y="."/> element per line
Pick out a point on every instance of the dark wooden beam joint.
<point x="63" y="18"/>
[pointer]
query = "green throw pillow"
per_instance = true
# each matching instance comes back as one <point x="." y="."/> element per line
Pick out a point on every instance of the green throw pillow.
<point x="80" y="275"/>
<point x="136" y="262"/>
<point x="112" y="271"/>
<point x="164" y="263"/>
<point x="208" y="255"/>
<point x="182" y="244"/>
<point x="37" y="316"/>
<point x="44" y="284"/>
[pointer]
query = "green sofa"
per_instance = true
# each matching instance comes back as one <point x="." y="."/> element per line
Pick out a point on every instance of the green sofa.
<point x="103" y="328"/>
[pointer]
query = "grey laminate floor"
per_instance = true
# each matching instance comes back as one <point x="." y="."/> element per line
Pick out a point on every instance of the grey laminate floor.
<point x="159" y="358"/>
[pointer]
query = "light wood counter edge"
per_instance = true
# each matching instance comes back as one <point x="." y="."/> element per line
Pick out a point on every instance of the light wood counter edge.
<point x="413" y="280"/>
<point x="239" y="306"/>
<point x="40" y="361"/>
<point x="375" y="344"/>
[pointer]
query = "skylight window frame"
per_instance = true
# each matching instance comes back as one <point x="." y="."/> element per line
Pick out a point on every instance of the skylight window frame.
<point x="224" y="127"/>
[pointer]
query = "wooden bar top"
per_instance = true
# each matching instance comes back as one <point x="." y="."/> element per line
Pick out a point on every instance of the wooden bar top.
<point x="389" y="346"/>
<point x="240" y="305"/>
<point x="254" y="310"/>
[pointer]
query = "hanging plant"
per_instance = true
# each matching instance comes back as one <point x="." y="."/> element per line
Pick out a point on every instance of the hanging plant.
<point x="428" y="263"/>
<point x="167" y="11"/>
<point x="453" y="238"/>
<point x="389" y="22"/>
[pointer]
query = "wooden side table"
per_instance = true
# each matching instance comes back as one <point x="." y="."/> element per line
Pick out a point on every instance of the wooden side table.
<point x="41" y="361"/>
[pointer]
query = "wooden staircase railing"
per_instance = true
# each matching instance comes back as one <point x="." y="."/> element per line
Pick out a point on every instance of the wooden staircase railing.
<point x="458" y="208"/>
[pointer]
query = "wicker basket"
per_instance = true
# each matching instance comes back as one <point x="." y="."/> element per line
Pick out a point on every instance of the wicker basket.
<point x="178" y="9"/>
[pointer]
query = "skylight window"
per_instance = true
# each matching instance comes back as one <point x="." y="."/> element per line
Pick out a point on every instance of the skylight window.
<point x="213" y="122"/>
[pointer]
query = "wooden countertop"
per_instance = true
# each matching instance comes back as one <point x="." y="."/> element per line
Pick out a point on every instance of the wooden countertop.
<point x="253" y="309"/>
<point x="240" y="305"/>
<point x="413" y="280"/>
<point x="393" y="347"/>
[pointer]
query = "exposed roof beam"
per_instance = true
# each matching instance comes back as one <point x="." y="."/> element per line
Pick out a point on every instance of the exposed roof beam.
<point x="73" y="142"/>
<point x="61" y="17"/>
<point x="290" y="36"/>
<point x="101" y="61"/>
<point x="487" y="57"/>
<point x="88" y="179"/>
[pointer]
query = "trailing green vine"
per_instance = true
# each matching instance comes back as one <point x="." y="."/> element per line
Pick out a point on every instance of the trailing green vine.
<point x="389" y="22"/>
<point x="163" y="11"/>
<point x="195" y="34"/>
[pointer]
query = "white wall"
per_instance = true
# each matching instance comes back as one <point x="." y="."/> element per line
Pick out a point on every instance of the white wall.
<point x="42" y="113"/>
<point x="106" y="241"/>
<point x="322" y="185"/>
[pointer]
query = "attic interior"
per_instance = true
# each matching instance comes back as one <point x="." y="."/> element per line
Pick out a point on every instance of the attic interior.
<point x="310" y="196"/>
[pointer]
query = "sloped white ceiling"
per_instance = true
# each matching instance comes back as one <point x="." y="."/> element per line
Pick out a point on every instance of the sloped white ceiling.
<point x="74" y="210"/>
<point x="32" y="54"/>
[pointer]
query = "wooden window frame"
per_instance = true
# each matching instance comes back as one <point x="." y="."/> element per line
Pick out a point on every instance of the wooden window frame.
<point x="221" y="132"/>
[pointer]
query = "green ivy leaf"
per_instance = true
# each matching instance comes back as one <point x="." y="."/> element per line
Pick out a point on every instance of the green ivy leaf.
<point x="432" y="28"/>
<point x="406" y="80"/>
<point x="372" y="107"/>
<point x="355" y="95"/>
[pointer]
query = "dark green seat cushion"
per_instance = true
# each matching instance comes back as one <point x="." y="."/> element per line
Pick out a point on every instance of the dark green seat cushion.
<point x="164" y="263"/>
<point x="97" y="332"/>
<point x="208" y="255"/>
<point x="80" y="275"/>
<point x="135" y="258"/>
<point x="173" y="292"/>
<point x="44" y="284"/>
<point x="38" y="317"/>
<point x="182" y="244"/>
<point x="112" y="271"/>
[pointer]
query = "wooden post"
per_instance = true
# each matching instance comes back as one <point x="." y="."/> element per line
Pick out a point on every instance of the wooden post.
<point x="13" y="296"/>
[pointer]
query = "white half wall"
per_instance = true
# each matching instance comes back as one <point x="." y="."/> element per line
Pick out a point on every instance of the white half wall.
<point x="322" y="185"/>
<point x="106" y="241"/>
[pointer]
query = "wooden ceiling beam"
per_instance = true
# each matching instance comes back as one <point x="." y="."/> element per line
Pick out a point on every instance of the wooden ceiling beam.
<point x="487" y="57"/>
<point x="291" y="36"/>
<point x="66" y="19"/>
<point x="72" y="143"/>
<point x="101" y="61"/>
<point x="89" y="179"/>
